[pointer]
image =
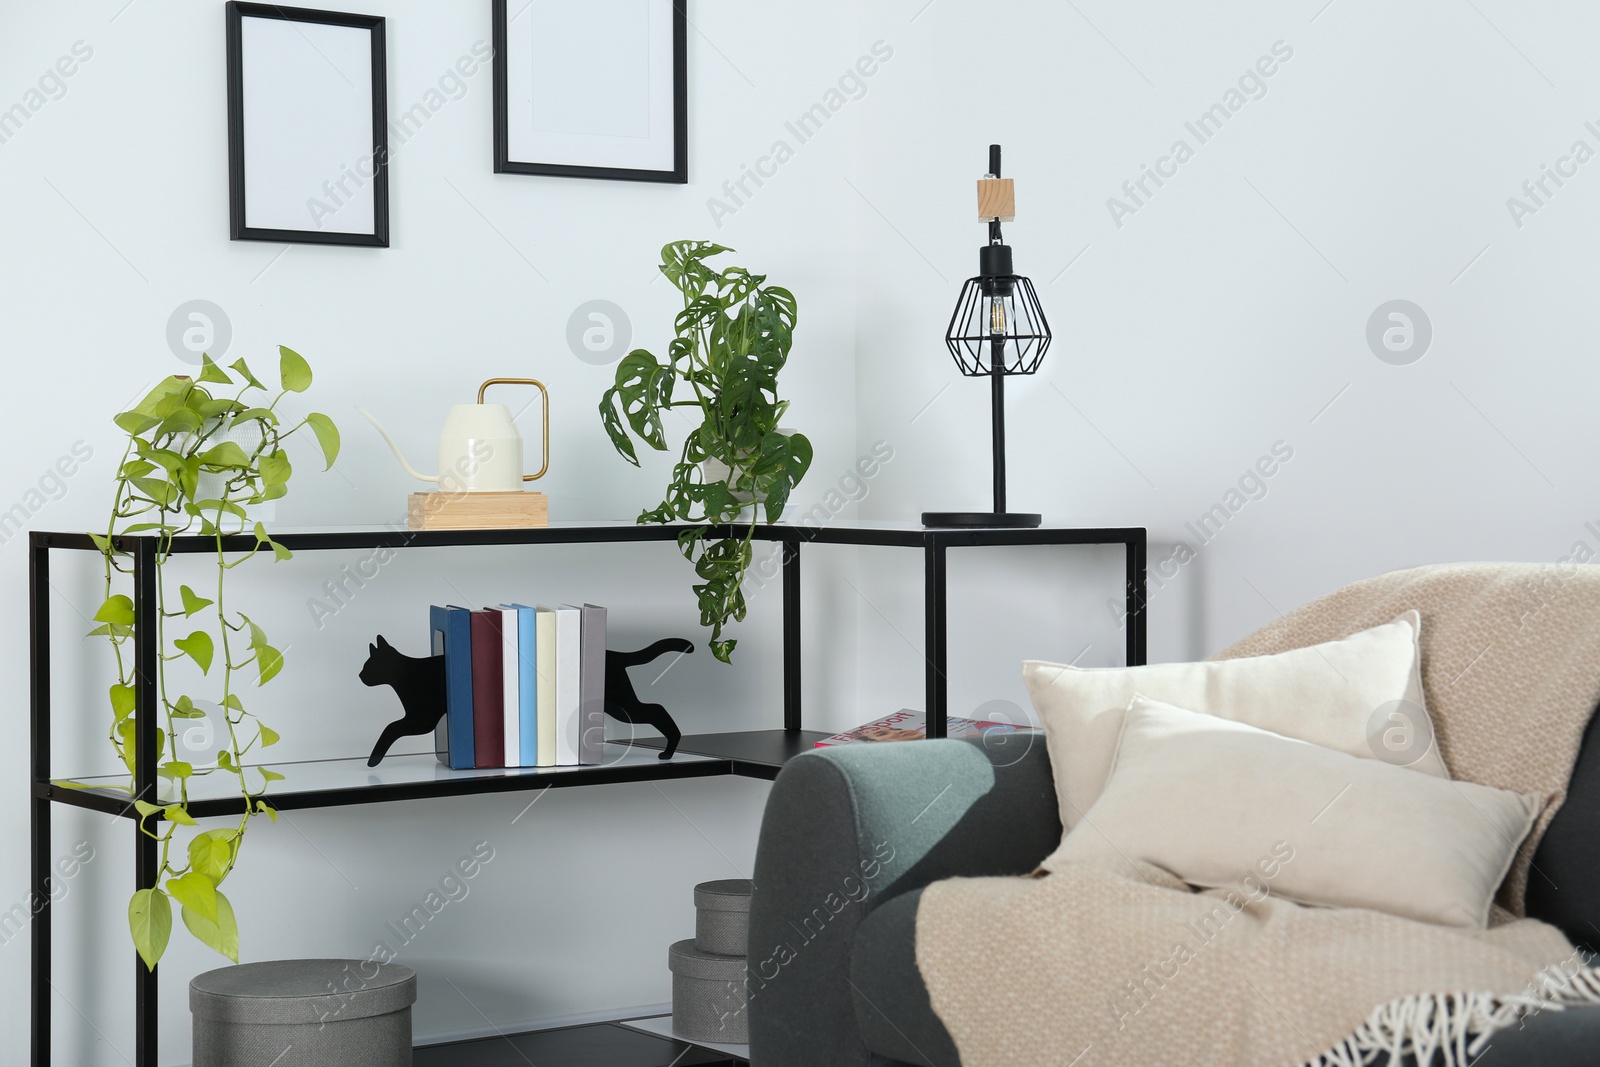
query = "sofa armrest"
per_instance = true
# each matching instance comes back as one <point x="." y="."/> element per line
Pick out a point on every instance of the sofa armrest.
<point x="849" y="828"/>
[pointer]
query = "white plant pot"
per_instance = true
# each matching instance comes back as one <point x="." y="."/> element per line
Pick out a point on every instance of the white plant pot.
<point x="210" y="486"/>
<point x="714" y="470"/>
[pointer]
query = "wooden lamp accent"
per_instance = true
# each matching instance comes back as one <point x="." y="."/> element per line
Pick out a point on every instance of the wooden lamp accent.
<point x="997" y="200"/>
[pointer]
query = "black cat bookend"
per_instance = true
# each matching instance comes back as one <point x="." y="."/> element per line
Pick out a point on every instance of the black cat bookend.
<point x="623" y="704"/>
<point x="420" y="685"/>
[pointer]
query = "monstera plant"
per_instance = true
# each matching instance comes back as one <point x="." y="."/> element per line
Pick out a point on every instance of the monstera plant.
<point x="185" y="471"/>
<point x="732" y="340"/>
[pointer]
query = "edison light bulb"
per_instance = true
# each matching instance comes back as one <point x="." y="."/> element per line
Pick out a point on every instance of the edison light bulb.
<point x="997" y="315"/>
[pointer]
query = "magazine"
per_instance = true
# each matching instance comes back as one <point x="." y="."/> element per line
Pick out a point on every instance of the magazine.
<point x="908" y="725"/>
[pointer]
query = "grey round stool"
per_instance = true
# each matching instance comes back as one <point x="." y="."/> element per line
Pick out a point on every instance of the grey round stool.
<point x="722" y="916"/>
<point x="708" y="995"/>
<point x="304" y="1013"/>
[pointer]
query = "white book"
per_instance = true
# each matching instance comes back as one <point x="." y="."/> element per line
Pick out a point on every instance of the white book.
<point x="545" y="661"/>
<point x="511" y="686"/>
<point x="569" y="683"/>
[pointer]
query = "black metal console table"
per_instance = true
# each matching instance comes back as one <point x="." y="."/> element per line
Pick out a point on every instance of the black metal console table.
<point x="327" y="783"/>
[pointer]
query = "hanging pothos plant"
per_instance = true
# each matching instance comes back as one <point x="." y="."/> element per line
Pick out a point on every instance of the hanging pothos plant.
<point x="733" y="339"/>
<point x="185" y="472"/>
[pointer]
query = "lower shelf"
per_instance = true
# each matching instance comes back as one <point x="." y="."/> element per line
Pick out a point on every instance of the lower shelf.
<point x="753" y="753"/>
<point x="598" y="1045"/>
<point x="661" y="1026"/>
<point x="335" y="782"/>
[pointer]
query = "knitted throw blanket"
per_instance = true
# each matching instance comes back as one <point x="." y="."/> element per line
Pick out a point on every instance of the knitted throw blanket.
<point x="1086" y="965"/>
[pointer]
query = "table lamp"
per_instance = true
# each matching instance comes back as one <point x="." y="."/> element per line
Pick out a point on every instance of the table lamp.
<point x="998" y="329"/>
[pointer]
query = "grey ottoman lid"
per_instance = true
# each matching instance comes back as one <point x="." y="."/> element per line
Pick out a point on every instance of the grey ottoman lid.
<point x="686" y="960"/>
<point x="729" y="894"/>
<point x="295" y="992"/>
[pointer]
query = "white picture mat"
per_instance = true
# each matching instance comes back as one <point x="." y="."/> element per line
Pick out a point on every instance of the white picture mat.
<point x="307" y="113"/>
<point x="590" y="84"/>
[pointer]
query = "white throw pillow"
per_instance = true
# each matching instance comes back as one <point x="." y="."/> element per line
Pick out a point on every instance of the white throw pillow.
<point x="1361" y="695"/>
<point x="1219" y="803"/>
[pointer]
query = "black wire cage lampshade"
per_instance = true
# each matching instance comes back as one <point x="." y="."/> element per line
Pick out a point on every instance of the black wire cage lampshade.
<point x="998" y="329"/>
<point x="998" y="321"/>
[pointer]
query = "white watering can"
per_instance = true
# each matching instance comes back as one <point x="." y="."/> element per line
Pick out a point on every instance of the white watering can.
<point x="480" y="450"/>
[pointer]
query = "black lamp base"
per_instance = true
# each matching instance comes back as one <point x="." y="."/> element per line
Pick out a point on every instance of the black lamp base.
<point x="982" y="520"/>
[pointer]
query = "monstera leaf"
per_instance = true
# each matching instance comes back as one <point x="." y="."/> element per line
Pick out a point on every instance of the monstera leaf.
<point x="732" y="340"/>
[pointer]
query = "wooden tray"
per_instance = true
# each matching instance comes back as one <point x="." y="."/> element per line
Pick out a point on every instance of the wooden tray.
<point x="477" y="511"/>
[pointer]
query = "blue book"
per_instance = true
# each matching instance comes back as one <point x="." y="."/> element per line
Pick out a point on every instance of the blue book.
<point x="451" y="630"/>
<point x="528" y="684"/>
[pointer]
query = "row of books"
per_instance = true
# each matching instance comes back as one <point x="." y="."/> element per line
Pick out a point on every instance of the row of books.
<point x="524" y="687"/>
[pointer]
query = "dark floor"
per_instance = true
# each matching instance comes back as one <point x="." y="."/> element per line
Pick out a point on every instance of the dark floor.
<point x="601" y="1045"/>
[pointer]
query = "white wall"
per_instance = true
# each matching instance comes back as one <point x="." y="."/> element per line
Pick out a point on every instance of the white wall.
<point x="1231" y="308"/>
<point x="1221" y="317"/>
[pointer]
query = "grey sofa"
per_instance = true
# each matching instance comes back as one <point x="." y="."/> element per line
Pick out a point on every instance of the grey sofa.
<point x="852" y="835"/>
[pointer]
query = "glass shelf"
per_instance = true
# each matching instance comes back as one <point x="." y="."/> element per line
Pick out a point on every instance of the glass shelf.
<point x="753" y="753"/>
<point x="330" y="783"/>
<point x="901" y="533"/>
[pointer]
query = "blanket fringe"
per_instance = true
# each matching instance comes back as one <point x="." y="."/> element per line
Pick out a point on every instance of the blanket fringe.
<point x="1456" y="1026"/>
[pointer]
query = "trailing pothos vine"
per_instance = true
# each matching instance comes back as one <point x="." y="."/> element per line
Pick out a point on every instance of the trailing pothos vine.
<point x="733" y="338"/>
<point x="178" y="476"/>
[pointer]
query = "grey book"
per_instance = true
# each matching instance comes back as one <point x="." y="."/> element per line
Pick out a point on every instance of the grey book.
<point x="592" y="688"/>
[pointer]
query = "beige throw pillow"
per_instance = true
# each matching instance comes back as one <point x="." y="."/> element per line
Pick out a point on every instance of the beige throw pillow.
<point x="1219" y="803"/>
<point x="1361" y="695"/>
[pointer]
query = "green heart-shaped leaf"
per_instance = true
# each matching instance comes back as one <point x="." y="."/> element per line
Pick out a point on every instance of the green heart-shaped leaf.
<point x="210" y="372"/>
<point x="150" y="922"/>
<point x="270" y="662"/>
<point x="293" y="369"/>
<point x="135" y="423"/>
<point x="199" y="647"/>
<point x="275" y="468"/>
<point x="226" y="456"/>
<point x="123" y="700"/>
<point x="117" y="610"/>
<point x="220" y="934"/>
<point x="211" y="852"/>
<point x="192" y="602"/>
<point x="254" y="414"/>
<point x="175" y="770"/>
<point x="196" y="893"/>
<point x="178" y="814"/>
<point x="243" y="370"/>
<point x="258" y="636"/>
<point x="327" y="436"/>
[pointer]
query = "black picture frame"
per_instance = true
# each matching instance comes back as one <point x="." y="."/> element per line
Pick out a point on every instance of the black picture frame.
<point x="240" y="229"/>
<point x="677" y="175"/>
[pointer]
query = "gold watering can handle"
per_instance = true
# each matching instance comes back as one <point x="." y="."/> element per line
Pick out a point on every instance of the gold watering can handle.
<point x="484" y="388"/>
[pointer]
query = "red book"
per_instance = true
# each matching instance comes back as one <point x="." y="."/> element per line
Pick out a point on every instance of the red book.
<point x="488" y="692"/>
